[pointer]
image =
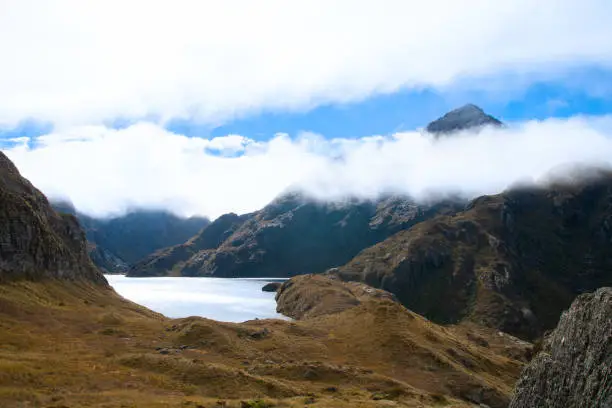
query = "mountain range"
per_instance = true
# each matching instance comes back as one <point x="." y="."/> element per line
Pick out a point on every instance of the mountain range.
<point x="511" y="261"/>
<point x="296" y="234"/>
<point x="116" y="243"/>
<point x="394" y="303"/>
<point x="293" y="235"/>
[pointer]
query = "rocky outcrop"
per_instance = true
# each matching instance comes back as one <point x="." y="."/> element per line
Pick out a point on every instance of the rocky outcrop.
<point x="271" y="287"/>
<point x="468" y="117"/>
<point x="293" y="235"/>
<point x="512" y="261"/>
<point x="574" y="368"/>
<point x="35" y="241"/>
<point x="119" y="242"/>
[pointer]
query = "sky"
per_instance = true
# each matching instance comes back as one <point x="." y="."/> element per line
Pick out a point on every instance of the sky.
<point x="206" y="107"/>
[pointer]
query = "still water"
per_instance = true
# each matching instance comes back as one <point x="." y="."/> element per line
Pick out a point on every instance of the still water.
<point x="226" y="300"/>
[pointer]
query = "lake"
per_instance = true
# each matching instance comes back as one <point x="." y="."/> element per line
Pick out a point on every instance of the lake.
<point x="222" y="299"/>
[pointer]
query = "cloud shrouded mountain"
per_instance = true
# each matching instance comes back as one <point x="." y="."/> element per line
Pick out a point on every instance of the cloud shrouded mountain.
<point x="511" y="261"/>
<point x="118" y="242"/>
<point x="107" y="171"/>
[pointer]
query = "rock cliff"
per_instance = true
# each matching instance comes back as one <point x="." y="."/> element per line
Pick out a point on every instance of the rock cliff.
<point x="35" y="241"/>
<point x="574" y="367"/>
<point x="512" y="261"/>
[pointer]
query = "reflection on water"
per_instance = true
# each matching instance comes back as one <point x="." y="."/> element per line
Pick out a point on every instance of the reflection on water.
<point x="227" y="300"/>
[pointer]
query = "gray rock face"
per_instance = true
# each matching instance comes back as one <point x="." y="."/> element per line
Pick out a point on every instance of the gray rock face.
<point x="574" y="368"/>
<point x="466" y="117"/>
<point x="35" y="241"/>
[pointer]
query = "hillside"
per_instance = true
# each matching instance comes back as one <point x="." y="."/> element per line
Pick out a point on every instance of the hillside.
<point x="71" y="345"/>
<point x="511" y="261"/>
<point x="117" y="243"/>
<point x="292" y="235"/>
<point x="68" y="340"/>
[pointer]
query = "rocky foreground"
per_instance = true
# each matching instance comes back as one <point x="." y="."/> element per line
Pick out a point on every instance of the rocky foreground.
<point x="574" y="367"/>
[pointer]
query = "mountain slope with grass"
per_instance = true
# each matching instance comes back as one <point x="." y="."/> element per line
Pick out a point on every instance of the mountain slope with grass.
<point x="512" y="261"/>
<point x="68" y="340"/>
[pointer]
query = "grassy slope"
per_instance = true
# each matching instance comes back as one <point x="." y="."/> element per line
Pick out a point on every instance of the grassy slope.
<point x="512" y="261"/>
<point x="73" y="345"/>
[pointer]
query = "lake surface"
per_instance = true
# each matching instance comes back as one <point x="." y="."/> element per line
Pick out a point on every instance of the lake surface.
<point x="226" y="300"/>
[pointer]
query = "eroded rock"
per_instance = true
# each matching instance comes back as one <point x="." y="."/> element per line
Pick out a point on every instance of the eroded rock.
<point x="574" y="367"/>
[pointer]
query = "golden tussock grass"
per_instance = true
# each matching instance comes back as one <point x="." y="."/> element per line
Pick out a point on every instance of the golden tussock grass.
<point x="77" y="345"/>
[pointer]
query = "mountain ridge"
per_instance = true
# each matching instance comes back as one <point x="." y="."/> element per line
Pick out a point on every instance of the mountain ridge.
<point x="512" y="261"/>
<point x="116" y="243"/>
<point x="314" y="236"/>
<point x="291" y="236"/>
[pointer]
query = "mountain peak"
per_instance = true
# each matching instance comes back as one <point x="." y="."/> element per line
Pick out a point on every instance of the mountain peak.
<point x="7" y="165"/>
<point x="466" y="117"/>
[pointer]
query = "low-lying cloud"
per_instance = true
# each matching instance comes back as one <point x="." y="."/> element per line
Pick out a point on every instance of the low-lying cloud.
<point x="106" y="171"/>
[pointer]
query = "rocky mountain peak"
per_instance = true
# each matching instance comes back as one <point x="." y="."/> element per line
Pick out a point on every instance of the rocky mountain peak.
<point x="7" y="165"/>
<point x="466" y="117"/>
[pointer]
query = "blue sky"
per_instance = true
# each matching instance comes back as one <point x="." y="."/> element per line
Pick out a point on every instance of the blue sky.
<point x="575" y="93"/>
<point x="411" y="109"/>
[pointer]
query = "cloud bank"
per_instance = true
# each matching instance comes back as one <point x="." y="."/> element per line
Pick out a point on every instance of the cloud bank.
<point x="73" y="63"/>
<point x="105" y="171"/>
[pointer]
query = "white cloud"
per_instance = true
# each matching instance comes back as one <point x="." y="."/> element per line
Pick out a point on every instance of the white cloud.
<point x="230" y="144"/>
<point x="106" y="170"/>
<point x="76" y="62"/>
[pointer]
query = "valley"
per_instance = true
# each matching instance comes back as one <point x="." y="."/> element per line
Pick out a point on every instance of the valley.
<point x="391" y="302"/>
